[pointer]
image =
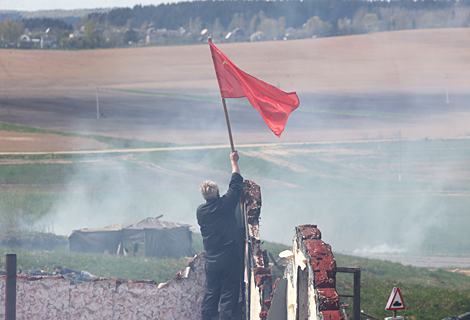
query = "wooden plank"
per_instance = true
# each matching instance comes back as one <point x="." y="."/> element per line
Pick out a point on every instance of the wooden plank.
<point x="302" y="294"/>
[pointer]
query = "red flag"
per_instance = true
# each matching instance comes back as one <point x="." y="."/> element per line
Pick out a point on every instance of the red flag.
<point x="273" y="104"/>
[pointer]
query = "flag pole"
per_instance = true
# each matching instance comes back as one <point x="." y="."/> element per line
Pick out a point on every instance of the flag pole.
<point x="226" y="116"/>
<point x="228" y="125"/>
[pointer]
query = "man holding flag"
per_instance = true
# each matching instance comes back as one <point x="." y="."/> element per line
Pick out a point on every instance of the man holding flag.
<point x="218" y="225"/>
<point x="216" y="217"/>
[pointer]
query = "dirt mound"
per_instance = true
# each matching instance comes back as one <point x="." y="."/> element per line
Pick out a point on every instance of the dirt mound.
<point x="465" y="272"/>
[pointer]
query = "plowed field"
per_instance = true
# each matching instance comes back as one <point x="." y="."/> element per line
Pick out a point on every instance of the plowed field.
<point x="356" y="87"/>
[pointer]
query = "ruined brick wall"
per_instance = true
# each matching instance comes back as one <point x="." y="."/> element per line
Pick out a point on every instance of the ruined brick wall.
<point x="260" y="273"/>
<point x="311" y="272"/>
<point x="54" y="297"/>
<point x="311" y="290"/>
<point x="311" y="285"/>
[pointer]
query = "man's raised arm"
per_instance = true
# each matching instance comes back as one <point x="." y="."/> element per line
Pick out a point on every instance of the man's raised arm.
<point x="234" y="160"/>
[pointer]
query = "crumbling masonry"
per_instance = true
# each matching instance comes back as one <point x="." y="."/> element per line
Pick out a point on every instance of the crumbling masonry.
<point x="306" y="292"/>
<point x="311" y="275"/>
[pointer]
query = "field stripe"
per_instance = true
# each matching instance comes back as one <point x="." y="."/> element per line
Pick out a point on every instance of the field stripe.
<point x="217" y="146"/>
<point x="165" y="94"/>
<point x="246" y="103"/>
<point x="357" y="113"/>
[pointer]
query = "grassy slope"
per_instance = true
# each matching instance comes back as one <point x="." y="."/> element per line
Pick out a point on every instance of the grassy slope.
<point x="101" y="265"/>
<point x="116" y="143"/>
<point x="428" y="293"/>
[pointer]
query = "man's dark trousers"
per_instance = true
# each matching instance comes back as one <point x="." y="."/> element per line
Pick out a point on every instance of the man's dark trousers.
<point x="222" y="282"/>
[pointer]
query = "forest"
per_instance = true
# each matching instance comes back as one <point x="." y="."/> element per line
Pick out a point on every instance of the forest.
<point x="229" y="21"/>
<point x="296" y="13"/>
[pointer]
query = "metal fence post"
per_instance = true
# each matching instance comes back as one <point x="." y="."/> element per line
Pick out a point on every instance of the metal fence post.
<point x="10" y="287"/>
<point x="357" y="290"/>
<point x="357" y="294"/>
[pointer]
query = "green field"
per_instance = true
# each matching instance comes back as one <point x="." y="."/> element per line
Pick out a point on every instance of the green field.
<point x="428" y="293"/>
<point x="408" y="196"/>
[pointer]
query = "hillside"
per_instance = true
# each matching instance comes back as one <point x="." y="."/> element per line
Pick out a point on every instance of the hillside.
<point x="374" y="155"/>
<point x="428" y="293"/>
<point x="383" y="75"/>
<point x="68" y="16"/>
<point x="390" y="62"/>
<point x="190" y="22"/>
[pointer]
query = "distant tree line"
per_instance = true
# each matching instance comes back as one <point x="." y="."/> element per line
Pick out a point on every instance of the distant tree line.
<point x="10" y="30"/>
<point x="292" y="19"/>
<point x="295" y="12"/>
<point x="12" y="15"/>
<point x="46" y="23"/>
<point x="240" y="20"/>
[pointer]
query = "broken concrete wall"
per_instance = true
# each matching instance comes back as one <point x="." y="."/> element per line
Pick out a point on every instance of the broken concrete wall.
<point x="54" y="297"/>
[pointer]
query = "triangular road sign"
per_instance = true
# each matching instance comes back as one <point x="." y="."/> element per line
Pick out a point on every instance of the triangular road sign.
<point x="395" y="302"/>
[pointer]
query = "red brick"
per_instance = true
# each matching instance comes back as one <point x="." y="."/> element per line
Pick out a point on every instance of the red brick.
<point x="328" y="299"/>
<point x="332" y="315"/>
<point x="315" y="263"/>
<point x="323" y="281"/>
<point x="262" y="278"/>
<point x="326" y="263"/>
<point x="315" y="247"/>
<point x="329" y="263"/>
<point x="261" y="270"/>
<point x="252" y="195"/>
<point x="328" y="249"/>
<point x="259" y="280"/>
<point x="252" y="200"/>
<point x="275" y="284"/>
<point x="309" y="231"/>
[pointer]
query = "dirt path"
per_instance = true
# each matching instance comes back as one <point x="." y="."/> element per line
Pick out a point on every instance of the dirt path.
<point x="33" y="142"/>
<point x="203" y="147"/>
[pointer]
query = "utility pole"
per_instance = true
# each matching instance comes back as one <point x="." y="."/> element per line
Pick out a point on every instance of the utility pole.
<point x="97" y="104"/>
<point x="399" y="156"/>
<point x="447" y="88"/>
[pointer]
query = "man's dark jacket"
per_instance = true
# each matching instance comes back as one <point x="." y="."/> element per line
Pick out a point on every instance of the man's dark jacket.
<point x="217" y="219"/>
